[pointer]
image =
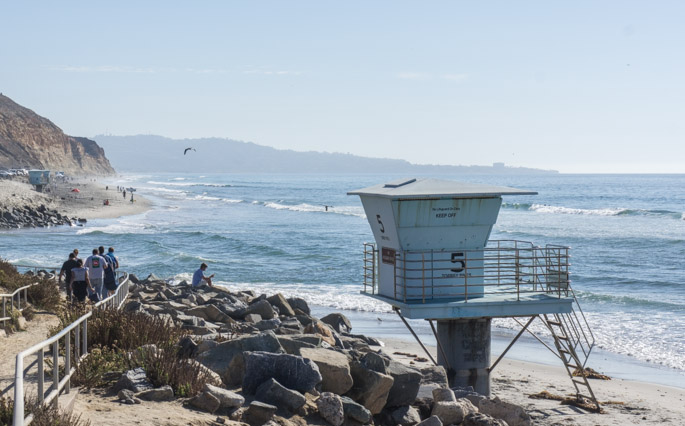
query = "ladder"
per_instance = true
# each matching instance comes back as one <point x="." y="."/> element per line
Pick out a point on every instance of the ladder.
<point x="565" y="331"/>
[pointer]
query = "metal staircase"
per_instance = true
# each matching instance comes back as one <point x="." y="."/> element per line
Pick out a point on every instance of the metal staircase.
<point x="573" y="350"/>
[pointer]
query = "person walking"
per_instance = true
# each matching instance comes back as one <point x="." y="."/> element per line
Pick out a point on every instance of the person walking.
<point x="110" y="272"/>
<point x="80" y="281"/>
<point x="96" y="265"/>
<point x="65" y="272"/>
<point x="199" y="276"/>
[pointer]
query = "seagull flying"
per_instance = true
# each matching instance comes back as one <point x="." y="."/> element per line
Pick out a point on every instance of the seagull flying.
<point x="185" y="151"/>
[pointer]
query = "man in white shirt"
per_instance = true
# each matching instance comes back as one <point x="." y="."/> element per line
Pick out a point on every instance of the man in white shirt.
<point x="96" y="265"/>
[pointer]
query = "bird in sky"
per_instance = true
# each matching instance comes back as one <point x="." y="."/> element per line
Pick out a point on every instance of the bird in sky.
<point x="185" y="151"/>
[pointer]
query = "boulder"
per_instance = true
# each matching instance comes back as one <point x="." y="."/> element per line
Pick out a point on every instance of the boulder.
<point x="205" y="401"/>
<point x="262" y="307"/>
<point x="431" y="421"/>
<point x="443" y="395"/>
<point x="218" y="359"/>
<point x="338" y="321"/>
<point x="210" y="313"/>
<point x="330" y="408"/>
<point x="451" y="412"/>
<point x="252" y="318"/>
<point x="258" y="413"/>
<point x="294" y="344"/>
<point x="271" y="324"/>
<point x="274" y="393"/>
<point x="405" y="386"/>
<point x="375" y="362"/>
<point x="282" y="304"/>
<point x="227" y="399"/>
<point x="128" y="397"/>
<point x="164" y="393"/>
<point x="405" y="416"/>
<point x="334" y="367"/>
<point x="319" y="328"/>
<point x="187" y="347"/>
<point x="135" y="380"/>
<point x="480" y="419"/>
<point x="370" y="388"/>
<point x="356" y="412"/>
<point x="512" y="414"/>
<point x="299" y="304"/>
<point x="293" y="372"/>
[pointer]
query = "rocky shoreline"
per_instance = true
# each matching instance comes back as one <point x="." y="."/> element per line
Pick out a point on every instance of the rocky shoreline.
<point x="272" y="363"/>
<point x="34" y="217"/>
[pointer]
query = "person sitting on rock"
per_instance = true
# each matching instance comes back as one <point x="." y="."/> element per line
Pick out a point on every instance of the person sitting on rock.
<point x="199" y="275"/>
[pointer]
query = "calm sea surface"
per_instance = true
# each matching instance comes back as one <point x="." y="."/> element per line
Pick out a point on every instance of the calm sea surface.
<point x="272" y="233"/>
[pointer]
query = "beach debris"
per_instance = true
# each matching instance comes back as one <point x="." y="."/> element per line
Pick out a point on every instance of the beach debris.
<point x="590" y="374"/>
<point x="567" y="400"/>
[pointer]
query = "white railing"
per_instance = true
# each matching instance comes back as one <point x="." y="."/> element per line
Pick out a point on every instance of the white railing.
<point x="69" y="361"/>
<point x="17" y="300"/>
<point x="503" y="267"/>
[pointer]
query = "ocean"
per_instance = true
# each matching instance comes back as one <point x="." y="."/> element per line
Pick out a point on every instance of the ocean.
<point x="301" y="235"/>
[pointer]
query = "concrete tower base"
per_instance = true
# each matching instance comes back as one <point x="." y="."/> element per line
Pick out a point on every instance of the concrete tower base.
<point x="466" y="343"/>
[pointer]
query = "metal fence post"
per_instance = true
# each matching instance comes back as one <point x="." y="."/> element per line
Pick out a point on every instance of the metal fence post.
<point x="18" y="415"/>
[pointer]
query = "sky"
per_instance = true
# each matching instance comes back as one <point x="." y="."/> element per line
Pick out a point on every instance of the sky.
<point x="575" y="86"/>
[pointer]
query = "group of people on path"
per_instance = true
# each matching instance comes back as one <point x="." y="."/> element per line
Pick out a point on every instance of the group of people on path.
<point x="94" y="278"/>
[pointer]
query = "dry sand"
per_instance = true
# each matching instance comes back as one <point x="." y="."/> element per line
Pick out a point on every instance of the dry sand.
<point x="514" y="381"/>
<point x="88" y="203"/>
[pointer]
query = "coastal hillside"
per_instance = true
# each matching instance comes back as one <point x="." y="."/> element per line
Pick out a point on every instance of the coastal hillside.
<point x="28" y="140"/>
<point x="150" y="153"/>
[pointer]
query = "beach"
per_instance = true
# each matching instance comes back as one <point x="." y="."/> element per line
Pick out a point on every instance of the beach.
<point x="88" y="203"/>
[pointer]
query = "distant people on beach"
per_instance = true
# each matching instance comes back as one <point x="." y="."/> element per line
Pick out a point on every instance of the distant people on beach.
<point x="199" y="276"/>
<point x="75" y="254"/>
<point x="80" y="281"/>
<point x="96" y="265"/>
<point x="124" y="194"/>
<point x="65" y="272"/>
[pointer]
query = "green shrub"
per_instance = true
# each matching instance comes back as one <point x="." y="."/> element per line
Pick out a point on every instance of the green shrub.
<point x="130" y="330"/>
<point x="6" y="411"/>
<point x="92" y="371"/>
<point x="164" y="367"/>
<point x="45" y="295"/>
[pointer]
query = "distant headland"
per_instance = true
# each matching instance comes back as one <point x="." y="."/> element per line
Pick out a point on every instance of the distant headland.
<point x="151" y="153"/>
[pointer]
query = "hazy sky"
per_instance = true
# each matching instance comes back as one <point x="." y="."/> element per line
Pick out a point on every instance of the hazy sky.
<point x="576" y="86"/>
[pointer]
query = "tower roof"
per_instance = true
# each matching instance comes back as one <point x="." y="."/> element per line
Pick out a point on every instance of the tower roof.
<point x="422" y="188"/>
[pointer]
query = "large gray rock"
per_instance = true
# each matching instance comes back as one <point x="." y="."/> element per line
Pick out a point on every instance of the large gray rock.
<point x="356" y="411"/>
<point x="210" y="313"/>
<point x="274" y="393"/>
<point x="205" y="401"/>
<point x="282" y="304"/>
<point x="299" y="304"/>
<point x="135" y="380"/>
<point x="405" y="416"/>
<point x="227" y="399"/>
<point x="370" y="388"/>
<point x="431" y="421"/>
<point x="330" y="408"/>
<point x="164" y="393"/>
<point x="510" y="413"/>
<point x="219" y="359"/>
<point x="480" y="419"/>
<point x="405" y="386"/>
<point x="262" y="308"/>
<point x="443" y="395"/>
<point x="334" y="367"/>
<point x="293" y="372"/>
<point x="338" y="321"/>
<point x="265" y="325"/>
<point x="258" y="413"/>
<point x="451" y="412"/>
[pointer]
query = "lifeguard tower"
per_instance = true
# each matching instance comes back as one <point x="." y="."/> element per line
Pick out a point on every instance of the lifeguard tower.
<point x="39" y="178"/>
<point x="433" y="260"/>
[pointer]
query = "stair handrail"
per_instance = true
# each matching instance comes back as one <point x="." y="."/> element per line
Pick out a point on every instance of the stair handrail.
<point x="80" y="328"/>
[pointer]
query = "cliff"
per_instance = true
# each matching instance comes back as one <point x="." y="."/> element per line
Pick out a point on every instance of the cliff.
<point x="31" y="141"/>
